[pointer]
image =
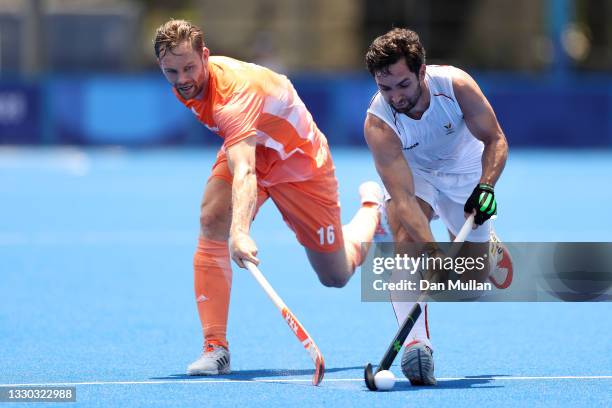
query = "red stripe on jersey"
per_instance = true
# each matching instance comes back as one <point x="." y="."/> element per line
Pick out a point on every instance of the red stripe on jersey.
<point x="444" y="95"/>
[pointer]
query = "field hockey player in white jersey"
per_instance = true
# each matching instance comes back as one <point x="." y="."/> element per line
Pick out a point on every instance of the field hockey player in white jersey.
<point x="439" y="150"/>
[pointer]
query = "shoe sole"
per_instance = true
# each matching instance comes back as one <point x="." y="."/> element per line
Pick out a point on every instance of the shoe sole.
<point x="504" y="263"/>
<point x="418" y="367"/>
<point x="209" y="372"/>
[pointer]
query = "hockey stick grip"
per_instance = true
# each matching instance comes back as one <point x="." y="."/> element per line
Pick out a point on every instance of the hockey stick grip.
<point x="459" y="239"/>
<point x="465" y="229"/>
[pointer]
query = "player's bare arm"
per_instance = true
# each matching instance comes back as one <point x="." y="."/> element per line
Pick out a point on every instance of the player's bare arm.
<point x="482" y="122"/>
<point x="241" y="162"/>
<point x="396" y="175"/>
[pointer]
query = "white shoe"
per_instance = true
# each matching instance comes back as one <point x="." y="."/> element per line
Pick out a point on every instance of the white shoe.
<point x="371" y="192"/>
<point x="501" y="270"/>
<point x="418" y="364"/>
<point x="214" y="360"/>
<point x="383" y="230"/>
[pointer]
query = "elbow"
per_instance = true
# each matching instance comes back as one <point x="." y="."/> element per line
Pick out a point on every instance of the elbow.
<point x="501" y="140"/>
<point x="503" y="145"/>
<point x="497" y="143"/>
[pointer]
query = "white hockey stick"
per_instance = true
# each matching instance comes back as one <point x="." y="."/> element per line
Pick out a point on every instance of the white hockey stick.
<point x="294" y="324"/>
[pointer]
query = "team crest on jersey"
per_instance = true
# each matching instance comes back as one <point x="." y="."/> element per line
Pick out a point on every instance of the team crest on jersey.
<point x="449" y="128"/>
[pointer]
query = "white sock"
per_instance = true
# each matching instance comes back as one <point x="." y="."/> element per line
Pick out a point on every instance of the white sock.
<point x="420" y="330"/>
<point x="402" y="305"/>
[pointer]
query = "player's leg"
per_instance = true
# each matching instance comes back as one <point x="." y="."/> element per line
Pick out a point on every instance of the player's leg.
<point x="213" y="278"/>
<point x="426" y="197"/>
<point x="213" y="272"/>
<point x="335" y="268"/>
<point x="312" y="210"/>
<point x="417" y="359"/>
<point x="420" y="331"/>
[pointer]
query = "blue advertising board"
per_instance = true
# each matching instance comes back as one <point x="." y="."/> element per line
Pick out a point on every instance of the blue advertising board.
<point x="140" y="110"/>
<point x="20" y="113"/>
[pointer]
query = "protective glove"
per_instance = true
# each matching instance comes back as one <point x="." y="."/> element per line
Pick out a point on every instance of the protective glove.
<point x="483" y="201"/>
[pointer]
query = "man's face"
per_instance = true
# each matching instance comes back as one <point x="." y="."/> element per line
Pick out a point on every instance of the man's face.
<point x="400" y="87"/>
<point x="185" y="69"/>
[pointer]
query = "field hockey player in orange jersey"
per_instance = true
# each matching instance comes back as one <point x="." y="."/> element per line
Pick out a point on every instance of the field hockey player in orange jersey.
<point x="271" y="148"/>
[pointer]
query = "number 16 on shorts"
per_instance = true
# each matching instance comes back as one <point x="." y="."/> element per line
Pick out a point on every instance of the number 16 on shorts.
<point x="326" y="235"/>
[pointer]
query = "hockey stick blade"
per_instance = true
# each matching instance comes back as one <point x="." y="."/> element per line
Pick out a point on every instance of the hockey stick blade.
<point x="394" y="347"/>
<point x="368" y="376"/>
<point x="308" y="343"/>
<point x="409" y="321"/>
<point x="293" y="323"/>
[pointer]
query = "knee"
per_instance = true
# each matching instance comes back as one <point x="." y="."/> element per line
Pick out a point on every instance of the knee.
<point x="334" y="281"/>
<point x="213" y="224"/>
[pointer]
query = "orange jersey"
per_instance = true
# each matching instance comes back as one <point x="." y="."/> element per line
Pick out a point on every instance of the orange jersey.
<point x="244" y="100"/>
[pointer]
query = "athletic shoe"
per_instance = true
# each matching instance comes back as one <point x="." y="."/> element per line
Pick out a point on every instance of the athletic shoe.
<point x="371" y="192"/>
<point x="418" y="364"/>
<point x="383" y="230"/>
<point x="214" y="360"/>
<point x="501" y="272"/>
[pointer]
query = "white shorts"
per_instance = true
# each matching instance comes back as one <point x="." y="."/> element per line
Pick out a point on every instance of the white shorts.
<point x="447" y="193"/>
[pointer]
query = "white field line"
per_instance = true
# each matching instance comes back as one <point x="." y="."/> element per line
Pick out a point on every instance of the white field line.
<point x="298" y="380"/>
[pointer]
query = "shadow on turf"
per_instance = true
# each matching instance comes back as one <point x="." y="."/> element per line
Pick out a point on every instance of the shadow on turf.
<point x="470" y="381"/>
<point x="253" y="374"/>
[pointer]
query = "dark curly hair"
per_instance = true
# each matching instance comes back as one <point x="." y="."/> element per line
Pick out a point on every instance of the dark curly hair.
<point x="389" y="48"/>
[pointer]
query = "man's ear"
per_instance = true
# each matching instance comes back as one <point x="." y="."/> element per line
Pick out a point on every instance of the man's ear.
<point x="422" y="72"/>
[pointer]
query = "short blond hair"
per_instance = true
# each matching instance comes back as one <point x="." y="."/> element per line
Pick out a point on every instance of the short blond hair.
<point x="173" y="33"/>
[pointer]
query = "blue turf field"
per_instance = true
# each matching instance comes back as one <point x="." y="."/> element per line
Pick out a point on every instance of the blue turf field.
<point x="96" y="290"/>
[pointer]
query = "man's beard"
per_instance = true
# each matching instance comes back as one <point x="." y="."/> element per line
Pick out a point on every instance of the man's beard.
<point x="411" y="103"/>
<point x="191" y="92"/>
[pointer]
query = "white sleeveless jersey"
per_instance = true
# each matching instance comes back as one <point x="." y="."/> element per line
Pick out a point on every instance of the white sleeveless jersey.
<point x="440" y="140"/>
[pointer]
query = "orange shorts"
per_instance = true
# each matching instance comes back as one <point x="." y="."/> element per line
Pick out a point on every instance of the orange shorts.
<point x="310" y="208"/>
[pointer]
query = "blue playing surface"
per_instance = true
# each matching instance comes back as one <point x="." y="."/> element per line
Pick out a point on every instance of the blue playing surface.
<point x="96" y="291"/>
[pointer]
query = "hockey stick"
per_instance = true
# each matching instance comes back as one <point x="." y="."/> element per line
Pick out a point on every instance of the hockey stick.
<point x="413" y="315"/>
<point x="294" y="324"/>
